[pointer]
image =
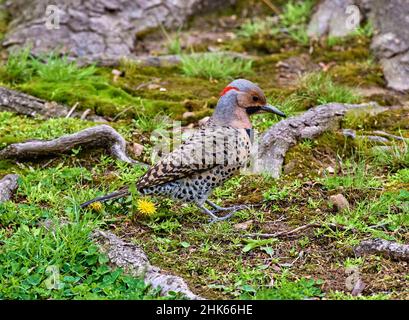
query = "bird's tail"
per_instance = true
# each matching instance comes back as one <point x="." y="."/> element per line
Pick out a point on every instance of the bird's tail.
<point x="114" y="195"/>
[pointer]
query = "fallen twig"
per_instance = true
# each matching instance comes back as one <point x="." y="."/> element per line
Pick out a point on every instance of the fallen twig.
<point x="133" y="260"/>
<point x="386" y="248"/>
<point x="8" y="185"/>
<point x="283" y="234"/>
<point x="72" y="110"/>
<point x="102" y="136"/>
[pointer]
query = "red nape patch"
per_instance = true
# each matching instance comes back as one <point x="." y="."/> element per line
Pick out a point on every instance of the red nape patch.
<point x="227" y="89"/>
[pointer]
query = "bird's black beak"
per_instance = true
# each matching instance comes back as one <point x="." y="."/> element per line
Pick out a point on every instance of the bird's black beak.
<point x="270" y="108"/>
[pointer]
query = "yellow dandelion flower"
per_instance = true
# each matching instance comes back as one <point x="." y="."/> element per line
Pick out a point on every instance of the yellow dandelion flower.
<point x="96" y="206"/>
<point x="146" y="207"/>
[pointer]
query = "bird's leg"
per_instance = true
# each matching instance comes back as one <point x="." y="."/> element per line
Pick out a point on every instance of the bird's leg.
<point x="218" y="208"/>
<point x="215" y="218"/>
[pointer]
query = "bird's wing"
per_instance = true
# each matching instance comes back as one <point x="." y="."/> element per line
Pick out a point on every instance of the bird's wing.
<point x="205" y="149"/>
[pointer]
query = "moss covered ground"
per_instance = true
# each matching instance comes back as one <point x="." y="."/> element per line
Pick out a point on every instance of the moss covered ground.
<point x="217" y="260"/>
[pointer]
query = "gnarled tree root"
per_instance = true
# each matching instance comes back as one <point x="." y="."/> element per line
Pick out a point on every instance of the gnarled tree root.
<point x="21" y="103"/>
<point x="102" y="136"/>
<point x="279" y="138"/>
<point x="386" y="248"/>
<point x="8" y="185"/>
<point x="134" y="261"/>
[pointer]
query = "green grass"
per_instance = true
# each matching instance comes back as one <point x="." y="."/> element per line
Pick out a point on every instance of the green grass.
<point x="296" y="12"/>
<point x="22" y="67"/>
<point x="216" y="258"/>
<point x="17" y="129"/>
<point x="365" y="31"/>
<point x="318" y="88"/>
<point x="295" y="17"/>
<point x="401" y="176"/>
<point x="61" y="263"/>
<point x="355" y="176"/>
<point x="18" y="67"/>
<point x="284" y="289"/>
<point x="395" y="157"/>
<point x="215" y="66"/>
<point x="57" y="79"/>
<point x="174" y="45"/>
<point x="294" y="20"/>
<point x="256" y="26"/>
<point x="377" y="216"/>
<point x="338" y="295"/>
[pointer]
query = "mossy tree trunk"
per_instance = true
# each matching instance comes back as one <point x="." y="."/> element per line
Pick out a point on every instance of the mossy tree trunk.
<point x="95" y="28"/>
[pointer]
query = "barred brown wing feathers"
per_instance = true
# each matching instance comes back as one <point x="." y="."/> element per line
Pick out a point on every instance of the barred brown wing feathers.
<point x="205" y="149"/>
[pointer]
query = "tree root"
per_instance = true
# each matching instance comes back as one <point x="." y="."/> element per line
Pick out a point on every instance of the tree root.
<point x="386" y="248"/>
<point x="102" y="136"/>
<point x="279" y="138"/>
<point x="8" y="185"/>
<point x="133" y="260"/>
<point x="21" y="103"/>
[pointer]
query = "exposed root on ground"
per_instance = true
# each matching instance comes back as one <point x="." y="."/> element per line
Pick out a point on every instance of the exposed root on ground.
<point x="102" y="136"/>
<point x="386" y="248"/>
<point x="282" y="136"/>
<point x="134" y="260"/>
<point x="21" y="103"/>
<point x="8" y="185"/>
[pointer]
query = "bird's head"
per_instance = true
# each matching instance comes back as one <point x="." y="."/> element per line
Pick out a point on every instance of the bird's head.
<point x="240" y="99"/>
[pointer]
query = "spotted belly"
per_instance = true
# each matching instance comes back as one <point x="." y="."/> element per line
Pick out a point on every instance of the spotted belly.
<point x="196" y="188"/>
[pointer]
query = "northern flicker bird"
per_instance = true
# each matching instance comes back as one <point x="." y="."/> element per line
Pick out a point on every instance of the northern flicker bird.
<point x="214" y="153"/>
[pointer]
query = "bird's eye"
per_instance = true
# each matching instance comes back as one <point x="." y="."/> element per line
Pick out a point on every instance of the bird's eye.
<point x="255" y="98"/>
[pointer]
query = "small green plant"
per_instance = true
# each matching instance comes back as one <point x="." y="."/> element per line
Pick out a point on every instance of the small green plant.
<point x="335" y="41"/>
<point x="277" y="193"/>
<point x="296" y="13"/>
<point x="365" y="31"/>
<point x="264" y="244"/>
<point x="255" y="27"/>
<point x="174" y="45"/>
<point x="215" y="66"/>
<point x="401" y="176"/>
<point x="18" y="67"/>
<point x="300" y="35"/>
<point x="22" y="67"/>
<point x="147" y="123"/>
<point x="295" y="17"/>
<point x="55" y="68"/>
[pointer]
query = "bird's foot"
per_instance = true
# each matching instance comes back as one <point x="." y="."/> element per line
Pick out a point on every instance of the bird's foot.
<point x="217" y="219"/>
<point x="214" y="218"/>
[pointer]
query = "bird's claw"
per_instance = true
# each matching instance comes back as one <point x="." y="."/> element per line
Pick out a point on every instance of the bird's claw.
<point x="229" y="215"/>
<point x="217" y="219"/>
